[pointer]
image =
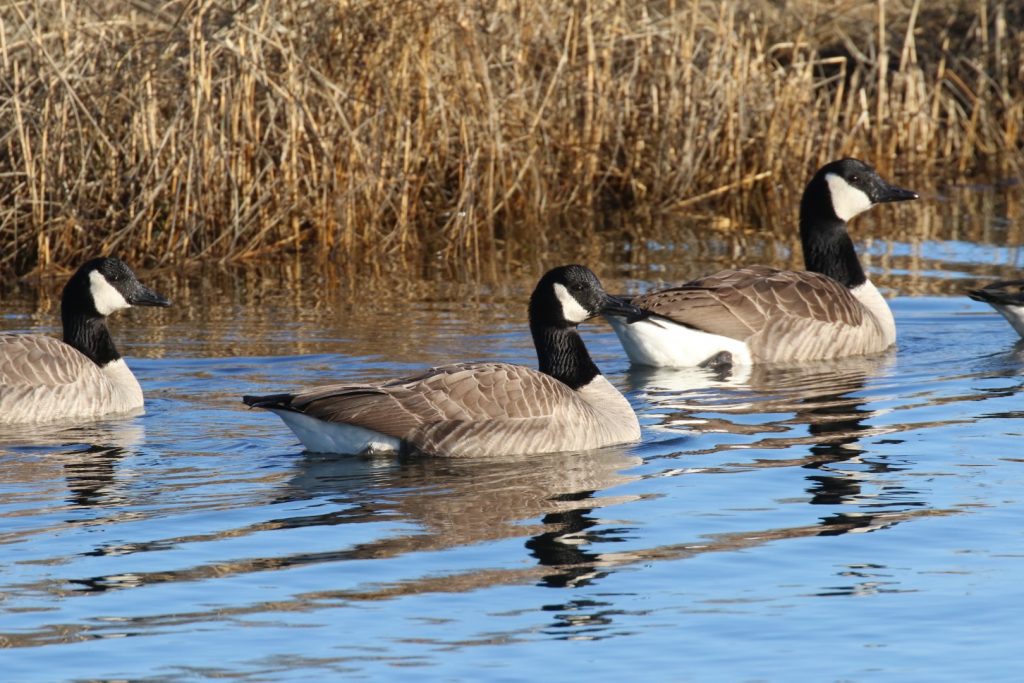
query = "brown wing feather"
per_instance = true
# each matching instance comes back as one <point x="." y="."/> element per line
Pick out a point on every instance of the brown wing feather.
<point x="37" y="361"/>
<point x="451" y="394"/>
<point x="462" y="437"/>
<point x="745" y="302"/>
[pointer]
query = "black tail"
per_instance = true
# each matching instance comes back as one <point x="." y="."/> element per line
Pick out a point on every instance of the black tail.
<point x="268" y="401"/>
<point x="1005" y="293"/>
<point x="627" y="300"/>
<point x="980" y="295"/>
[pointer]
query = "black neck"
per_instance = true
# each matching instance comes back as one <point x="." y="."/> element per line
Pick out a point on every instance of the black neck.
<point x="828" y="248"/>
<point x="89" y="334"/>
<point x="562" y="354"/>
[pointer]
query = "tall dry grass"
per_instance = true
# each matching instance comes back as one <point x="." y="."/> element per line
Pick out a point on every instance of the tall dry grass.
<point x="461" y="136"/>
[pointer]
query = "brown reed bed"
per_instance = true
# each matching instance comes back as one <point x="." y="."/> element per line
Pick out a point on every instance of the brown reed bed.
<point x="464" y="138"/>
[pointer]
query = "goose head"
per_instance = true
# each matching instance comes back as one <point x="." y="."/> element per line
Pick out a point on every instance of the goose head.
<point x="569" y="295"/>
<point x="849" y="187"/>
<point x="105" y="285"/>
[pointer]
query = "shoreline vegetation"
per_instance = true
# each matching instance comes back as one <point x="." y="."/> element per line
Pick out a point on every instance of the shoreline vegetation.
<point x="458" y="138"/>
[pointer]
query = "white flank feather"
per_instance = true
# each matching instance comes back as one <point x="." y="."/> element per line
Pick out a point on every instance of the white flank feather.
<point x="332" y="437"/>
<point x="662" y="343"/>
<point x="870" y="298"/>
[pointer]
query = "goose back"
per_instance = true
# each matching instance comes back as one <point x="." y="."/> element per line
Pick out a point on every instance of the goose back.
<point x="43" y="379"/>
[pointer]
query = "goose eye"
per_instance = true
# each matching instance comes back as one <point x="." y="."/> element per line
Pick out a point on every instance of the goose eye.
<point x="855" y="178"/>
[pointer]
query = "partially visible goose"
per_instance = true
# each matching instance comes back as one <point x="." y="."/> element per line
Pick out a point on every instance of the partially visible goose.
<point x="481" y="408"/>
<point x="760" y="314"/>
<point x="1007" y="297"/>
<point x="43" y="379"/>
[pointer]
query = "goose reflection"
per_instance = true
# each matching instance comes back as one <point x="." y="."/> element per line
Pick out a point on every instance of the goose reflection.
<point x="58" y="436"/>
<point x="91" y="477"/>
<point x="1004" y="364"/>
<point x="86" y="455"/>
<point x="550" y="499"/>
<point x="820" y="407"/>
<point x="821" y="397"/>
<point x="559" y="509"/>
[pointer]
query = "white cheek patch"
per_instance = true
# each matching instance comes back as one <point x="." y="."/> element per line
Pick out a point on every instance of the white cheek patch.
<point x="847" y="200"/>
<point x="571" y="309"/>
<point x="104" y="296"/>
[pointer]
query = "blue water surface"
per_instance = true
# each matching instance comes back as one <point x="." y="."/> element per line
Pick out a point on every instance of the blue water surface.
<point x="849" y="521"/>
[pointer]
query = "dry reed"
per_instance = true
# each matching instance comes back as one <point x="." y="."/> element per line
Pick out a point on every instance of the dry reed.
<point x="460" y="137"/>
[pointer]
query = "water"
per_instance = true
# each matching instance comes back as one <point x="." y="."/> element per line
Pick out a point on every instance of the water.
<point x="846" y="521"/>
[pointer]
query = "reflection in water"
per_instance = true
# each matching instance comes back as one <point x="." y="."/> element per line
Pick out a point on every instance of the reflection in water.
<point x="820" y="406"/>
<point x="551" y="501"/>
<point x="565" y="547"/>
<point x="821" y="396"/>
<point x="440" y="503"/>
<point x="459" y="502"/>
<point x="437" y="504"/>
<point x="123" y="432"/>
<point x="86" y="455"/>
<point x="91" y="478"/>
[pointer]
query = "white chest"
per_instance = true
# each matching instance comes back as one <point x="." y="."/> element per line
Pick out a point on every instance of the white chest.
<point x="125" y="392"/>
<point x="869" y="297"/>
<point x="615" y="421"/>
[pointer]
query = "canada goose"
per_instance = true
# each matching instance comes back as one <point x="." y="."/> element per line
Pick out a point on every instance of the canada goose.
<point x="760" y="314"/>
<point x="1007" y="297"/>
<point x="44" y="379"/>
<point x="481" y="408"/>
